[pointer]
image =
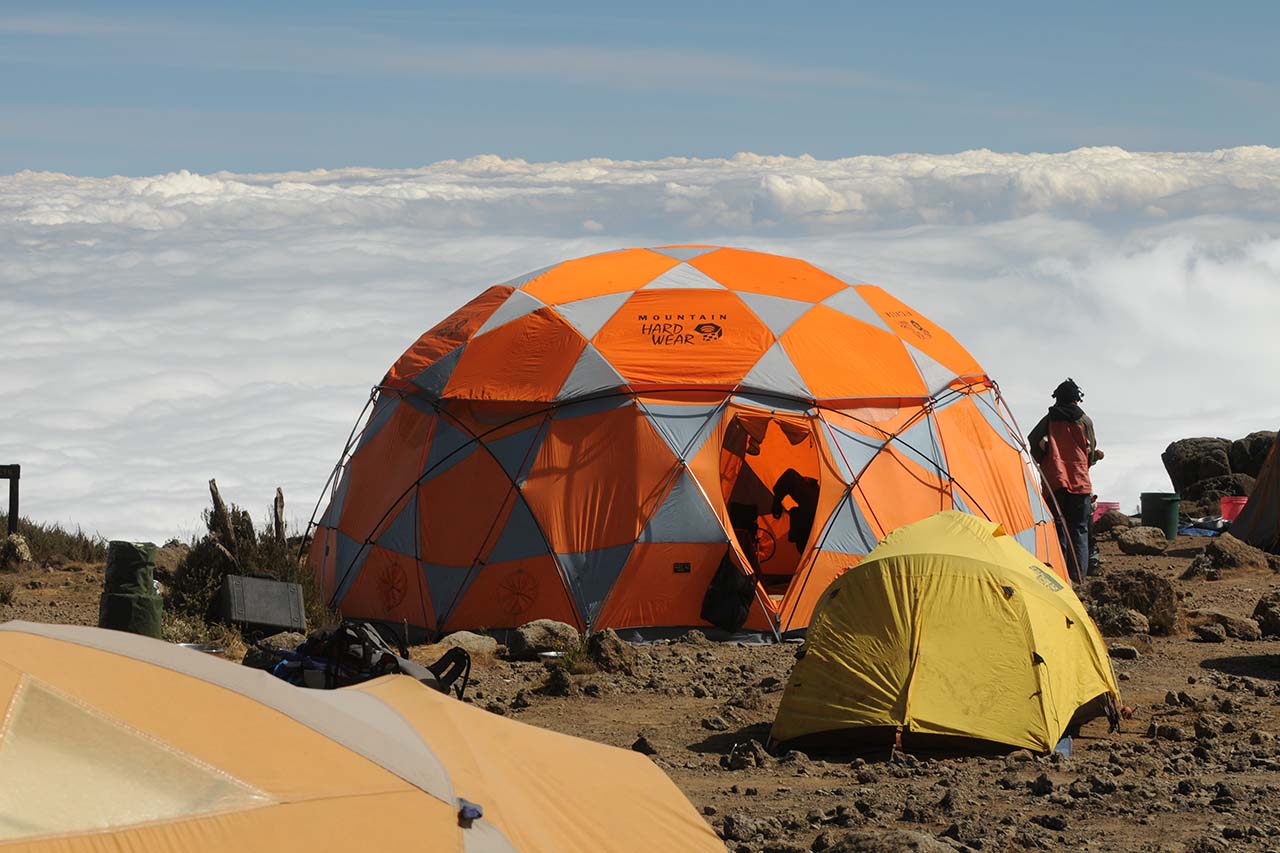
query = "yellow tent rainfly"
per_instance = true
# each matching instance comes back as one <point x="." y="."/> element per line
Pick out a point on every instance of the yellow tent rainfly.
<point x="111" y="742"/>
<point x="953" y="634"/>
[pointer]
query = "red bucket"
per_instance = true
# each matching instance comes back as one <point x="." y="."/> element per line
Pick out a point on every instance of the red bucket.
<point x="1105" y="506"/>
<point x="1230" y="507"/>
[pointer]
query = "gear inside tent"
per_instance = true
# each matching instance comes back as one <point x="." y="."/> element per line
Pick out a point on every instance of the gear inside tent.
<point x="657" y="439"/>
<point x="949" y="635"/>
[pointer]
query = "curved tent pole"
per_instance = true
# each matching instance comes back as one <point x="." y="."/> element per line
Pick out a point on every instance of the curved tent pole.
<point x="352" y="438"/>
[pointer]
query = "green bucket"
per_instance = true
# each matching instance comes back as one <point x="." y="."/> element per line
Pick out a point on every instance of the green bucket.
<point x="1160" y="509"/>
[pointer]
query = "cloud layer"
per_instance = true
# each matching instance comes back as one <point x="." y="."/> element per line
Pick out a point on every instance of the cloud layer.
<point x="159" y="331"/>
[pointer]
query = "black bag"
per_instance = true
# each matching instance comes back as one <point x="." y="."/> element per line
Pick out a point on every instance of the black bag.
<point x="729" y="595"/>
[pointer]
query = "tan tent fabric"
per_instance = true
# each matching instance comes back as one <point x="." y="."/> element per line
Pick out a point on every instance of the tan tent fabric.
<point x="1259" y="521"/>
<point x="111" y="742"/>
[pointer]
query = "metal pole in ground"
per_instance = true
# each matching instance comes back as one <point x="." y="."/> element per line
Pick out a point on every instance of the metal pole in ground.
<point x="12" y="472"/>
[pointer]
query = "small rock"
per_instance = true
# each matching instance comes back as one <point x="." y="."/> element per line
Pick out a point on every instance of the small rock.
<point x="1057" y="823"/>
<point x="1267" y="614"/>
<point x="472" y="643"/>
<point x="643" y="746"/>
<point x="715" y="724"/>
<point x="1210" y="633"/>
<point x="1233" y="626"/>
<point x="610" y="653"/>
<point x="1120" y="652"/>
<point x="1166" y="731"/>
<point x="1042" y="786"/>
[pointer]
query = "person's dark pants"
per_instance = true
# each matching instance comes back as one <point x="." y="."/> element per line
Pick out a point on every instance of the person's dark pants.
<point x="1073" y="532"/>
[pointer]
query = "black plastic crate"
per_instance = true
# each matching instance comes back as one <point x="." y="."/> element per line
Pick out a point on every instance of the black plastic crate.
<point x="262" y="606"/>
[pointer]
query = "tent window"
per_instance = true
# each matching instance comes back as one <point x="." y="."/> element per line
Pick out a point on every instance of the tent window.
<point x="769" y="472"/>
<point x="66" y="768"/>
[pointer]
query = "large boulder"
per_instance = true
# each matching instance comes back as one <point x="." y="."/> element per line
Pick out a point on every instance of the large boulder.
<point x="1142" y="540"/>
<point x="476" y="645"/>
<point x="1228" y="552"/>
<point x="1141" y="590"/>
<point x="1194" y="459"/>
<point x="543" y="635"/>
<point x="1248" y="454"/>
<point x="1267" y="614"/>
<point x="1233" y="626"/>
<point x="1116" y="621"/>
<point x="1205" y="497"/>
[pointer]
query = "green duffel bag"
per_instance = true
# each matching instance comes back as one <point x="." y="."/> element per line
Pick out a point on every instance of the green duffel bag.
<point x="137" y="613"/>
<point x="131" y="568"/>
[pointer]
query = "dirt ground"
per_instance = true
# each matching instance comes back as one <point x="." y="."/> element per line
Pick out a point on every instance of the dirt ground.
<point x="1210" y="781"/>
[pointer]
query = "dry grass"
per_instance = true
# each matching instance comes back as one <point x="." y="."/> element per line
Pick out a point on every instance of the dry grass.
<point x="51" y="543"/>
<point x="6" y="592"/>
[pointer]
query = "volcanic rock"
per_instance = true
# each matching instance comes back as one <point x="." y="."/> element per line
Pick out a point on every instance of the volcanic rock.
<point x="471" y="643"/>
<point x="894" y="841"/>
<point x="1111" y="520"/>
<point x="1194" y="459"/>
<point x="1249" y="454"/>
<point x="1142" y="541"/>
<point x="610" y="653"/>
<point x="1233" y="626"/>
<point x="1267" y="614"/>
<point x="1141" y="590"/>
<point x="1115" y="621"/>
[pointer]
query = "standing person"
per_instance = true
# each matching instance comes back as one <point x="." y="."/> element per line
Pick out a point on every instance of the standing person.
<point x="1065" y="446"/>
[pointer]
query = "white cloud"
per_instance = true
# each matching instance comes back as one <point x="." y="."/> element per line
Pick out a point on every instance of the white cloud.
<point x="158" y="331"/>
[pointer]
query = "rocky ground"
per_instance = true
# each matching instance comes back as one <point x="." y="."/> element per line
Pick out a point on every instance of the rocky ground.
<point x="1196" y="769"/>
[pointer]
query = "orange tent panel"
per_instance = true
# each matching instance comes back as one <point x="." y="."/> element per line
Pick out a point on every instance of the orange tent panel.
<point x="708" y="337"/>
<point x="921" y="332"/>
<point x="810" y="583"/>
<point x="391" y="586"/>
<point x="894" y="491"/>
<point x="383" y="472"/>
<point x="772" y="275"/>
<point x="526" y="359"/>
<point x="462" y="510"/>
<point x="597" y="275"/>
<point x="988" y="472"/>
<point x="840" y="358"/>
<point x="447" y="335"/>
<point x="503" y="595"/>
<point x="663" y="584"/>
<point x="597" y="479"/>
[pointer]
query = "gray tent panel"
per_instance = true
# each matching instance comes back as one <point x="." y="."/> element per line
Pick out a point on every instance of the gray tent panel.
<point x="852" y="451"/>
<point x="521" y="538"/>
<point x="850" y="303"/>
<point x="449" y="446"/>
<point x="522" y="280"/>
<point x="683" y="253"/>
<point x="936" y="376"/>
<point x="588" y="316"/>
<point x="920" y="444"/>
<point x="348" y="560"/>
<point x="684" y="277"/>
<point x="684" y="428"/>
<point x="775" y="372"/>
<point x="1027" y="538"/>
<point x="1038" y="510"/>
<point x="684" y="516"/>
<point x="773" y="402"/>
<point x="447" y="585"/>
<point x="334" y="510"/>
<point x="436" y="375"/>
<point x="515" y="453"/>
<point x="591" y="374"/>
<point x="401" y="534"/>
<point x="581" y="408"/>
<point x="847" y="531"/>
<point x="775" y="312"/>
<point x="592" y="574"/>
<point x="518" y="304"/>
<point x="986" y="404"/>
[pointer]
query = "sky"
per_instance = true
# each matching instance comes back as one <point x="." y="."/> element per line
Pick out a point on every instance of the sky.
<point x="217" y="232"/>
<point x="139" y="88"/>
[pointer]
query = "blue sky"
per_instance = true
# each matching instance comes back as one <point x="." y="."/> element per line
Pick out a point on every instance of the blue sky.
<point x="146" y="88"/>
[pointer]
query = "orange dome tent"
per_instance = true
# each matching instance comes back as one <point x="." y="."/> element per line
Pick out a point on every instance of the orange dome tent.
<point x="598" y="441"/>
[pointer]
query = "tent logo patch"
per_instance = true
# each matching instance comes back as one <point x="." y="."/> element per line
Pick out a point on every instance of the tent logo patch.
<point x="681" y="329"/>
<point x="1045" y="578"/>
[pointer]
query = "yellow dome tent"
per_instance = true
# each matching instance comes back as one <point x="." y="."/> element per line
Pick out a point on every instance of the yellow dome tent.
<point x="948" y="629"/>
<point x="110" y="741"/>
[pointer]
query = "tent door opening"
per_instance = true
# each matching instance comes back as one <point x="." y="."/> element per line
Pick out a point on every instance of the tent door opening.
<point x="769" y="470"/>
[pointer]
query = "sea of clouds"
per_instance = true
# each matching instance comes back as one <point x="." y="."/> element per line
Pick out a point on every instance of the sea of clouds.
<point x="159" y="331"/>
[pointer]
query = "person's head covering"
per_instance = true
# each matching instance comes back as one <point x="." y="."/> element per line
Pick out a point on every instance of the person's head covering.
<point x="1068" y="392"/>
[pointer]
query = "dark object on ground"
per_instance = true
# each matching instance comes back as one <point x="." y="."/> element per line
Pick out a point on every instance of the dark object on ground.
<point x="354" y="652"/>
<point x="1249" y="453"/>
<point x="129" y="600"/>
<point x="1112" y="520"/>
<point x="728" y="599"/>
<point x="1267" y="614"/>
<point x="262" y="606"/>
<point x="1116" y="621"/>
<point x="1228" y="552"/>
<point x="269" y="651"/>
<point x="610" y="653"/>
<point x="1144" y="591"/>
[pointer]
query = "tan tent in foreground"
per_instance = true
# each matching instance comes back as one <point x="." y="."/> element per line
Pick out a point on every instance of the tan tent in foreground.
<point x="113" y="742"/>
<point x="1259" y="521"/>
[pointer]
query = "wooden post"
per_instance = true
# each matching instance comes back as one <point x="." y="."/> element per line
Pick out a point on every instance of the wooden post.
<point x="12" y="473"/>
<point x="277" y="516"/>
